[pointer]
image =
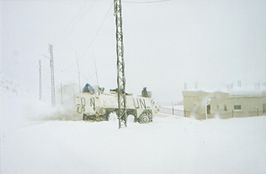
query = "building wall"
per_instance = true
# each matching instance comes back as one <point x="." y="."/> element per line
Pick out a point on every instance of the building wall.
<point x="250" y="106"/>
<point x="195" y="104"/>
<point x="222" y="105"/>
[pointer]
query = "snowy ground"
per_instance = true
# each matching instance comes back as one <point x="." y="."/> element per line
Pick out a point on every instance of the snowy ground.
<point x="177" y="110"/>
<point x="171" y="144"/>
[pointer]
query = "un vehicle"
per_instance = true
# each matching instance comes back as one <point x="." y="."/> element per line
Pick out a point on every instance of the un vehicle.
<point x="97" y="106"/>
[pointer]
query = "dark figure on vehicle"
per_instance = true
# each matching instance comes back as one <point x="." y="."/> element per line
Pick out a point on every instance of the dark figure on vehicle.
<point x="144" y="92"/>
<point x="88" y="88"/>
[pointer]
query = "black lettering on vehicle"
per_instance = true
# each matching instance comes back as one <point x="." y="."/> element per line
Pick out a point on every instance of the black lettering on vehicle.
<point x="81" y="106"/>
<point x="92" y="103"/>
<point x="142" y="103"/>
<point x="136" y="103"/>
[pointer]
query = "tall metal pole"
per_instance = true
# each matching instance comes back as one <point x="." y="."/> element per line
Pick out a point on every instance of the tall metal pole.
<point x="40" y="80"/>
<point x="121" y="81"/>
<point x="52" y="75"/>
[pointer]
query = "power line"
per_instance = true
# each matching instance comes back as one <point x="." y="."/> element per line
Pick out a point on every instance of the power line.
<point x="83" y="11"/>
<point x="99" y="28"/>
<point x="91" y="43"/>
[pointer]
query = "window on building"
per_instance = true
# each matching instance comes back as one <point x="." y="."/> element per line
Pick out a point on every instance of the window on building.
<point x="237" y="107"/>
<point x="225" y="108"/>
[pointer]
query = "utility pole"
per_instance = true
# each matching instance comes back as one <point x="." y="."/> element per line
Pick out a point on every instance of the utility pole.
<point x="61" y="93"/>
<point x="173" y="109"/>
<point x="196" y="85"/>
<point x="121" y="81"/>
<point x="185" y="86"/>
<point x="239" y="84"/>
<point x="40" y="80"/>
<point x="52" y="75"/>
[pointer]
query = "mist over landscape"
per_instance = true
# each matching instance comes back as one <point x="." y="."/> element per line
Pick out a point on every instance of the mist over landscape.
<point x="167" y="44"/>
<point x="204" y="62"/>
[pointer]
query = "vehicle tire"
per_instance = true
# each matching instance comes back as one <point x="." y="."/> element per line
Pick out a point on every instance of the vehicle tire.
<point x="85" y="117"/>
<point x="145" y="117"/>
<point x="106" y="116"/>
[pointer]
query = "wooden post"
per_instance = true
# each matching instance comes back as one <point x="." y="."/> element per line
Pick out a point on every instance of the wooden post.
<point x="61" y="92"/>
<point x="40" y="80"/>
<point x="52" y="75"/>
<point x="173" y="109"/>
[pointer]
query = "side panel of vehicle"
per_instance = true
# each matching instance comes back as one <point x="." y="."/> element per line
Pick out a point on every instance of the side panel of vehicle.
<point x="92" y="105"/>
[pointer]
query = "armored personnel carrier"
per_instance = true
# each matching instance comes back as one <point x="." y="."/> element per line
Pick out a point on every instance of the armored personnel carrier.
<point x="98" y="105"/>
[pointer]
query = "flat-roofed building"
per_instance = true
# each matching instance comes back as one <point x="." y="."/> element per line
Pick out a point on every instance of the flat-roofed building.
<point x="203" y="104"/>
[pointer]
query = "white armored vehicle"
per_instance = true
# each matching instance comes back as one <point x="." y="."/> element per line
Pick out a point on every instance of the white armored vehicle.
<point x="97" y="105"/>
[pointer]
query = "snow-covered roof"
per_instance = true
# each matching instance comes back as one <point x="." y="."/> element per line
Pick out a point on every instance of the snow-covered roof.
<point x="248" y="93"/>
<point x="234" y="92"/>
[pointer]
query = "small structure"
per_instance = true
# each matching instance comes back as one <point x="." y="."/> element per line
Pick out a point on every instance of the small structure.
<point x="204" y="105"/>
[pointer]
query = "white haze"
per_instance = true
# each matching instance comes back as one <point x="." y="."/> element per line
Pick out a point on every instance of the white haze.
<point x="208" y="42"/>
<point x="167" y="44"/>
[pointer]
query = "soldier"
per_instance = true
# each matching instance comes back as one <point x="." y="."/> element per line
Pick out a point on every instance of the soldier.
<point x="144" y="92"/>
<point x="88" y="88"/>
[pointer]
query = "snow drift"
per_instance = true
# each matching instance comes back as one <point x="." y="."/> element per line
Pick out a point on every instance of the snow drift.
<point x="31" y="144"/>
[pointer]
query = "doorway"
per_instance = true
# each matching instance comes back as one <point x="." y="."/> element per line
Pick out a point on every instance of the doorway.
<point x="208" y="109"/>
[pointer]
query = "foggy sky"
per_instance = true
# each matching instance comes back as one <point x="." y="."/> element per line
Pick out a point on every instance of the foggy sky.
<point x="167" y="44"/>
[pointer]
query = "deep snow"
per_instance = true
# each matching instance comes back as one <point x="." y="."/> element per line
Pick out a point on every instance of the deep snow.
<point x="31" y="144"/>
<point x="168" y="145"/>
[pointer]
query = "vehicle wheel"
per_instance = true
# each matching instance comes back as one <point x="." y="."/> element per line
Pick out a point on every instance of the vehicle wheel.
<point x="106" y="116"/>
<point x="85" y="117"/>
<point x="145" y="117"/>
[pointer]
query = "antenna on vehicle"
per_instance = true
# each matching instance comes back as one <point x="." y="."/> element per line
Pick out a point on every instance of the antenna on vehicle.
<point x="78" y="70"/>
<point x="96" y="72"/>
